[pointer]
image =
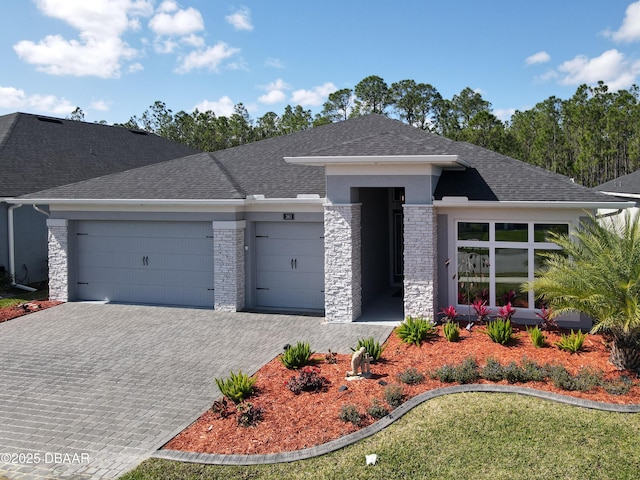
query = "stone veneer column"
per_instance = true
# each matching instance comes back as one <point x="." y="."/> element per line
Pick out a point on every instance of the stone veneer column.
<point x="58" y="246"/>
<point x="228" y="261"/>
<point x="342" y="262"/>
<point x="420" y="257"/>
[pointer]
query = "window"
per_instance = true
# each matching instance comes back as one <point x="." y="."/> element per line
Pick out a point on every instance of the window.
<point x="495" y="258"/>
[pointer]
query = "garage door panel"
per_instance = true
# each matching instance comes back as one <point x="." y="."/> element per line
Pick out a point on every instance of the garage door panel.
<point x="289" y="264"/>
<point x="167" y="263"/>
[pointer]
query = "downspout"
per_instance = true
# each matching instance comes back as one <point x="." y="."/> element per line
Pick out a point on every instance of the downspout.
<point x="12" y="252"/>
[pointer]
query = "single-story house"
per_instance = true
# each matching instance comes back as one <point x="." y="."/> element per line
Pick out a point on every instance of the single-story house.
<point x="332" y="220"/>
<point x="625" y="187"/>
<point x="38" y="153"/>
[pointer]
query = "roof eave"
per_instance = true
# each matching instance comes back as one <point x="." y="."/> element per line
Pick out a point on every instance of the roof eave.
<point x="443" y="161"/>
<point x="464" y="202"/>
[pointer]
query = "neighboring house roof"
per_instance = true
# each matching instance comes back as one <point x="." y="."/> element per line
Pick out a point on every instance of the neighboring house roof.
<point x="38" y="152"/>
<point x="260" y="168"/>
<point x="625" y="185"/>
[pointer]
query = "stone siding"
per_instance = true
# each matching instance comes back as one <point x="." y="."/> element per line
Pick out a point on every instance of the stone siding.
<point x="420" y="257"/>
<point x="342" y="262"/>
<point x="228" y="259"/>
<point x="58" y="246"/>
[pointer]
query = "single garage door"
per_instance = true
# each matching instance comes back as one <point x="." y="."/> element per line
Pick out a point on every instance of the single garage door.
<point x="290" y="265"/>
<point x="166" y="263"/>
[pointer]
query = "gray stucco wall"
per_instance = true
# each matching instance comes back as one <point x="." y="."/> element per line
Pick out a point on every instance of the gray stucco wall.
<point x="342" y="189"/>
<point x="30" y="237"/>
<point x="4" y="239"/>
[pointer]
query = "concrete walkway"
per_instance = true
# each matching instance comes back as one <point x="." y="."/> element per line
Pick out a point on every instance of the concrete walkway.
<point x="91" y="390"/>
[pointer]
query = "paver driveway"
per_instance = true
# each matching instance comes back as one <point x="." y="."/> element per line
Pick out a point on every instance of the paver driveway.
<point x="90" y="390"/>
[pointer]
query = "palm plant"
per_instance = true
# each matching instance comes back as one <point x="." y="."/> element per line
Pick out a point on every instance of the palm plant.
<point x="598" y="273"/>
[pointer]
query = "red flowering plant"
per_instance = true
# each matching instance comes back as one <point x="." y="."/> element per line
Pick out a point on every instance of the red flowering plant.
<point x="547" y="317"/>
<point x="506" y="312"/>
<point x="449" y="314"/>
<point x="482" y="312"/>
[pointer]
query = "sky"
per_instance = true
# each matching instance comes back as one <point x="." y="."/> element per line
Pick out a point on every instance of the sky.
<point x="115" y="58"/>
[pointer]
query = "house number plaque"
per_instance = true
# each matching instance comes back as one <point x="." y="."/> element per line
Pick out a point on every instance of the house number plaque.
<point x="288" y="216"/>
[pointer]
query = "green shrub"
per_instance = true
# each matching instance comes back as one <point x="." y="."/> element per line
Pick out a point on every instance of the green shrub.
<point x="500" y="331"/>
<point x="527" y="371"/>
<point x="532" y="371"/>
<point x="296" y="356"/>
<point x="536" y="336"/>
<point x="415" y="330"/>
<point x="411" y="376"/>
<point x="377" y="410"/>
<point x="513" y="373"/>
<point x="451" y="331"/>
<point x="586" y="379"/>
<point x="237" y="387"/>
<point x="349" y="413"/>
<point x="393" y="395"/>
<point x="373" y="347"/>
<point x="249" y="415"/>
<point x="572" y="342"/>
<point x="466" y="372"/>
<point x="492" y="370"/>
<point x="619" y="386"/>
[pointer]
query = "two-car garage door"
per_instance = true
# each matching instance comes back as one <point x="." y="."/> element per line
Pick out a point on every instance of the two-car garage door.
<point x="172" y="263"/>
<point x="168" y="263"/>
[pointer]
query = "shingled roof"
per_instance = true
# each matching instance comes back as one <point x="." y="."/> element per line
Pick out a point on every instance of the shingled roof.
<point x="259" y="168"/>
<point x="625" y="184"/>
<point x="38" y="152"/>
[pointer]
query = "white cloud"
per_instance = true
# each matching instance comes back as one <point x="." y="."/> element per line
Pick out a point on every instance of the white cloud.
<point x="99" y="51"/>
<point x="193" y="40"/>
<point x="222" y="107"/>
<point x="629" y="31"/>
<point x="16" y="99"/>
<point x="504" y="114"/>
<point x="610" y="67"/>
<point x="274" y="96"/>
<point x="135" y="67"/>
<point x="241" y="19"/>
<point x="101" y="105"/>
<point x="171" y="21"/>
<point x="536" y="58"/>
<point x="314" y="97"/>
<point x="273" y="63"/>
<point x="209" y="58"/>
<point x="275" y="92"/>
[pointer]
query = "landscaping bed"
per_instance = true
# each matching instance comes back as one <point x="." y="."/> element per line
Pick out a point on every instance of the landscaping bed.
<point x="23" y="303"/>
<point x="292" y="422"/>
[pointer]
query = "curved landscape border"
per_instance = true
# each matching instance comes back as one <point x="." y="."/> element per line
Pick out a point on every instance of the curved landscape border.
<point x="337" y="444"/>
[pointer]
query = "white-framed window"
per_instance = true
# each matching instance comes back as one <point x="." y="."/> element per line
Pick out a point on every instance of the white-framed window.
<point x="495" y="257"/>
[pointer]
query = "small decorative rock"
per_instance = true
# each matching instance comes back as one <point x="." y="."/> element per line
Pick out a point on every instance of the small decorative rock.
<point x="382" y="382"/>
<point x="343" y="388"/>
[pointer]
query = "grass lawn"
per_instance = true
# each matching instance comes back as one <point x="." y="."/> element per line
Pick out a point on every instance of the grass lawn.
<point x="474" y="435"/>
<point x="24" y="296"/>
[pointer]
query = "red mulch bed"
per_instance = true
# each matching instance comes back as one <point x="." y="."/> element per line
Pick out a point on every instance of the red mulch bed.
<point x="293" y="422"/>
<point x="9" y="313"/>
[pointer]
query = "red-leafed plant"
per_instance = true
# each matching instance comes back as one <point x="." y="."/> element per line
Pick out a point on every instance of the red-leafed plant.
<point x="506" y="312"/>
<point x="547" y="315"/>
<point x="482" y="312"/>
<point x="449" y="313"/>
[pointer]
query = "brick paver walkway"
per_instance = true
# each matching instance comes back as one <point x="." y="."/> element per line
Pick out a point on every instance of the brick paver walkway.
<point x="91" y="390"/>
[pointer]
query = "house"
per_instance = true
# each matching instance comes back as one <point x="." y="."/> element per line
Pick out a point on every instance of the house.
<point x="330" y="220"/>
<point x="38" y="153"/>
<point x="625" y="187"/>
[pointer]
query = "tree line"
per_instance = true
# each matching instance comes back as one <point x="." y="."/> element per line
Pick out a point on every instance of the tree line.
<point x="593" y="137"/>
